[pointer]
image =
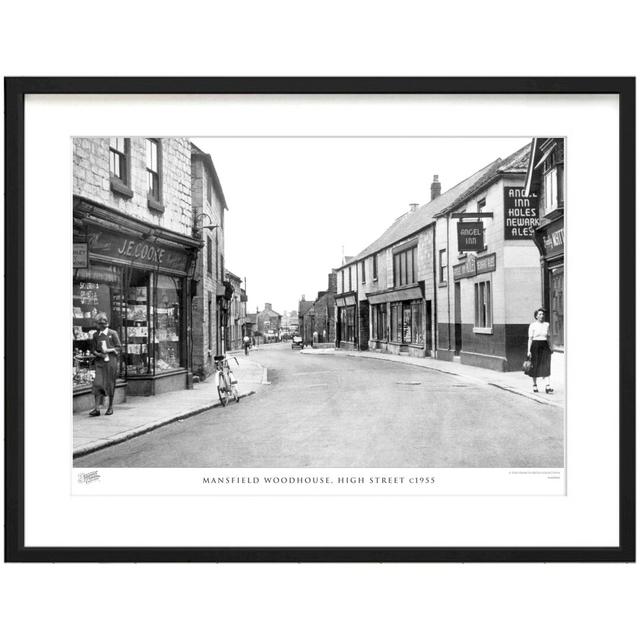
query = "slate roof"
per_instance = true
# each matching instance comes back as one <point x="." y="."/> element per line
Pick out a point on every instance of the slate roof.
<point x="304" y="306"/>
<point x="413" y="221"/>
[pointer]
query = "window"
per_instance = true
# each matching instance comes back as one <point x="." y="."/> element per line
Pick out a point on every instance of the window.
<point x="404" y="267"/>
<point x="118" y="158"/>
<point x="209" y="189"/>
<point x="443" y="265"/>
<point x="375" y="266"/>
<point x="209" y="256"/>
<point x="364" y="275"/>
<point x="551" y="190"/>
<point x="342" y="272"/>
<point x="416" y="322"/>
<point x="481" y="205"/>
<point x="350" y="282"/>
<point x="483" y="305"/>
<point x="379" y="322"/>
<point x="152" y="148"/>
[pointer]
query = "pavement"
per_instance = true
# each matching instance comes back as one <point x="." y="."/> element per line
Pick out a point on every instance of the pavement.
<point x="512" y="381"/>
<point x="140" y="414"/>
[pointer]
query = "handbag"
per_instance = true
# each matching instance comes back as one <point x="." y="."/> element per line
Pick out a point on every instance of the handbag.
<point x="527" y="366"/>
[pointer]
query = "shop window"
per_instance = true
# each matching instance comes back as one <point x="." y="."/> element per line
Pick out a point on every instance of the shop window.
<point x="483" y="305"/>
<point x="416" y="323"/>
<point x="556" y="282"/>
<point x="153" y="160"/>
<point x="95" y="290"/>
<point x="167" y="347"/>
<point x="138" y="309"/>
<point x="443" y="265"/>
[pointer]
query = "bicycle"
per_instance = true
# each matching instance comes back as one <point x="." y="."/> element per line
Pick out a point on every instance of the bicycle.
<point x="225" y="382"/>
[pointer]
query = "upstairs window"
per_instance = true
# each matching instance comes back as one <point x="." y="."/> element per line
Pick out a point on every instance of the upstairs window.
<point x="118" y="151"/>
<point x="209" y="256"/>
<point x="404" y="267"/>
<point x="364" y="275"/>
<point x="209" y="189"/>
<point x="153" y="170"/>
<point x="375" y="266"/>
<point x="350" y="282"/>
<point x="443" y="265"/>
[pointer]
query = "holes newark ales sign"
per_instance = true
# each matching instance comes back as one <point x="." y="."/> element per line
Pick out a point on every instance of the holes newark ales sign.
<point x="520" y="214"/>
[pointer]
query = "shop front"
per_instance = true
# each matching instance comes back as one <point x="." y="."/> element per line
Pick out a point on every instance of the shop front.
<point x="401" y="321"/>
<point x="549" y="239"/>
<point x="139" y="276"/>
<point x="346" y="321"/>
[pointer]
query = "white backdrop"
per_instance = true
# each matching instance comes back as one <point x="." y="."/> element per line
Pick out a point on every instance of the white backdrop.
<point x="362" y="601"/>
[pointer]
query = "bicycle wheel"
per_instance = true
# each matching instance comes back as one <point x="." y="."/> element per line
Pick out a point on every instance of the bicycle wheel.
<point x="222" y="393"/>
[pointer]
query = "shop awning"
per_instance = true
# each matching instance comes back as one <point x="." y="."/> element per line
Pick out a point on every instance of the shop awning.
<point x="411" y="293"/>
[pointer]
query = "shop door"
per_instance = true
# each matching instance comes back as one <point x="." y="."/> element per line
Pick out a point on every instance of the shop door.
<point x="457" y="319"/>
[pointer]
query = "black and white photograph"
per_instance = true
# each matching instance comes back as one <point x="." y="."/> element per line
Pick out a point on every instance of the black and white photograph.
<point x="365" y="303"/>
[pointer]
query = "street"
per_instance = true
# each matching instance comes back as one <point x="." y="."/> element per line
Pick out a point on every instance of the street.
<point x="327" y="410"/>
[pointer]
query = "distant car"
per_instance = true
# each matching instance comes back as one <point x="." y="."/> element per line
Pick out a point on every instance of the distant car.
<point x="296" y="342"/>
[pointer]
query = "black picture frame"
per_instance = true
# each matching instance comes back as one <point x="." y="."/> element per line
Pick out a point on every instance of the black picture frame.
<point x="16" y="89"/>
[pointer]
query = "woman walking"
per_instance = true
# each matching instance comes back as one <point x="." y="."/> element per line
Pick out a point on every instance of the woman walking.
<point x="539" y="350"/>
<point x="105" y="346"/>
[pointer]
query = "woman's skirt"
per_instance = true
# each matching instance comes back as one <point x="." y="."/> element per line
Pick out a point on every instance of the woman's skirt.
<point x="105" y="380"/>
<point x="540" y="359"/>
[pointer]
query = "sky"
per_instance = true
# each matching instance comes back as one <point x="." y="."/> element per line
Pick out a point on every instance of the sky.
<point x="297" y="205"/>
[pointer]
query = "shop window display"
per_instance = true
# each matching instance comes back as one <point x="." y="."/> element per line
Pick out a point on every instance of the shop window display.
<point x="168" y="318"/>
<point x="137" y="311"/>
<point x="96" y="290"/>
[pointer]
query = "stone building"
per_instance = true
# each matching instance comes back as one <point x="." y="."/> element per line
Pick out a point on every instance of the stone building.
<point x="134" y="253"/>
<point x="318" y="317"/>
<point x="210" y="302"/>
<point x="545" y="177"/>
<point x="486" y="296"/>
<point x="237" y="312"/>
<point x="415" y="291"/>
<point x="268" y="322"/>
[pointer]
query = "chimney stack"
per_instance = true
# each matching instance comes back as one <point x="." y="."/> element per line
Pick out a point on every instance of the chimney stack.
<point x="414" y="205"/>
<point x="302" y="299"/>
<point x="333" y="282"/>
<point x="435" y="188"/>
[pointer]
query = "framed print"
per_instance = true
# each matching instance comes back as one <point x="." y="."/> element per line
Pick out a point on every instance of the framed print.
<point x="320" y="319"/>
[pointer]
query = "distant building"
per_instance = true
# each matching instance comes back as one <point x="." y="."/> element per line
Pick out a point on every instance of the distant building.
<point x="236" y="312"/>
<point x="318" y="318"/>
<point x="268" y="322"/>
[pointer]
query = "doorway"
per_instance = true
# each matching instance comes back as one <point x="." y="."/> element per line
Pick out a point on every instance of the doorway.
<point x="457" y="311"/>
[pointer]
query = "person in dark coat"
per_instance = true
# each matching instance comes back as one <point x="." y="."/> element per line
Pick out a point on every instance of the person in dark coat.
<point x="539" y="350"/>
<point x="106" y="347"/>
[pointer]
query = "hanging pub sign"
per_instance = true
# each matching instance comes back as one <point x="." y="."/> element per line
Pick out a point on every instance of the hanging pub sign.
<point x="520" y="214"/>
<point x="470" y="236"/>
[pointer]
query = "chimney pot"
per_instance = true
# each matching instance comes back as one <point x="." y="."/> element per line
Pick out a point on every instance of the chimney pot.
<point x="413" y="206"/>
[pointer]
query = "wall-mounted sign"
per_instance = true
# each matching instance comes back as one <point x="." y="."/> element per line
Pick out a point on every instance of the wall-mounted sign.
<point x="470" y="236"/>
<point x="466" y="269"/>
<point x="485" y="264"/>
<point x="520" y="214"/>
<point x="136" y="251"/>
<point x="550" y="239"/>
<point x="80" y="255"/>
